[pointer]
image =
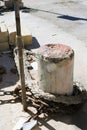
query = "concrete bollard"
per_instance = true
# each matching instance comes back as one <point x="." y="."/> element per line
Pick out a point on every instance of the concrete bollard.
<point x="55" y="65"/>
<point x="25" y="35"/>
<point x="10" y="4"/>
<point x="3" y="33"/>
<point x="4" y="46"/>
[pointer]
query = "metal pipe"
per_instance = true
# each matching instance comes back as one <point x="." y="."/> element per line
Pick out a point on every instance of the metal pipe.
<point x="20" y="53"/>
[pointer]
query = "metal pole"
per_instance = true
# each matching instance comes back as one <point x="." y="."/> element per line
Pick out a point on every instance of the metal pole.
<point x="20" y="53"/>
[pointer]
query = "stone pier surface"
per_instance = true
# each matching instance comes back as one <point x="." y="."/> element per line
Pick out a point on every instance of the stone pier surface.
<point x="55" y="66"/>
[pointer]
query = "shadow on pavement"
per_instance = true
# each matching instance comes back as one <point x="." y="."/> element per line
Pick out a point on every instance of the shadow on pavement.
<point x="80" y="118"/>
<point x="77" y="118"/>
<point x="35" y="44"/>
<point x="72" y="18"/>
<point x="62" y="16"/>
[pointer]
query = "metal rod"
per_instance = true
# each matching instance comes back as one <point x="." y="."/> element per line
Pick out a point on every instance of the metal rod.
<point x="20" y="53"/>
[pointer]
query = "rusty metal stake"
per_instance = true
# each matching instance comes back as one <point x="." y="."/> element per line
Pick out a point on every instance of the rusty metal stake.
<point x="20" y="53"/>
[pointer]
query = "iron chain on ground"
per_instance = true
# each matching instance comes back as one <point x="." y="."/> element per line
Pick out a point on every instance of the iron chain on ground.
<point x="45" y="106"/>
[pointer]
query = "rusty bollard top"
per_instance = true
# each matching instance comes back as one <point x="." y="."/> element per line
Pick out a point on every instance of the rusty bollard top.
<point x="55" y="52"/>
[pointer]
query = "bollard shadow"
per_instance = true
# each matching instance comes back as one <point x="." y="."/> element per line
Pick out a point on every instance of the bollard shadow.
<point x="35" y="44"/>
<point x="71" y="18"/>
<point x="80" y="118"/>
<point x="75" y="121"/>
